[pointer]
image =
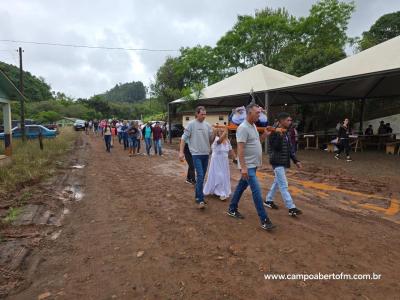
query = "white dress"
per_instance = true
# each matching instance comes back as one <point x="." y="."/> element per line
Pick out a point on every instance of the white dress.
<point x="219" y="177"/>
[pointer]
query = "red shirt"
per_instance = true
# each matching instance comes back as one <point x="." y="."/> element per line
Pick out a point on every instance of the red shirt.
<point x="157" y="133"/>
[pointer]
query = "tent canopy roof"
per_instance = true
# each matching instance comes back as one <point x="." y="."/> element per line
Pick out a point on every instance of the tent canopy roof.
<point x="372" y="73"/>
<point x="258" y="78"/>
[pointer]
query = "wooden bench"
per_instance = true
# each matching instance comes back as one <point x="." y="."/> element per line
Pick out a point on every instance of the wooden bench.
<point x="311" y="136"/>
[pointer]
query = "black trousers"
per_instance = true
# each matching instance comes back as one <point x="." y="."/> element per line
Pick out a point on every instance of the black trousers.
<point x="191" y="175"/>
<point x="344" y="145"/>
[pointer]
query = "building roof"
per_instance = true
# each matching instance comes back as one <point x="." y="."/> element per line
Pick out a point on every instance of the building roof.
<point x="372" y="73"/>
<point x="258" y="78"/>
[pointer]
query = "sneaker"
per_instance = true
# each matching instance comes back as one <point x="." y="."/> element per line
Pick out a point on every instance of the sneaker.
<point x="295" y="212"/>
<point x="188" y="181"/>
<point x="270" y="204"/>
<point x="267" y="224"/>
<point x="337" y="156"/>
<point x="235" y="214"/>
<point x="348" y="159"/>
<point x="223" y="198"/>
<point x="201" y="205"/>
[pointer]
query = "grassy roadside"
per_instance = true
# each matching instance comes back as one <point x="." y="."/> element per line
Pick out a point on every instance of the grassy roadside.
<point x="30" y="164"/>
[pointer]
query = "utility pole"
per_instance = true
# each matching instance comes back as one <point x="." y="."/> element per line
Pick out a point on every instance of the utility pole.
<point x="21" y="89"/>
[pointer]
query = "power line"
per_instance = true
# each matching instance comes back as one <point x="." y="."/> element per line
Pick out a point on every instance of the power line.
<point x="89" y="46"/>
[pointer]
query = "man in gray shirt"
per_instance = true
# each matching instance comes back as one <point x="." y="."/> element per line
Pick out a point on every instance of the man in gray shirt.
<point x="198" y="134"/>
<point x="250" y="158"/>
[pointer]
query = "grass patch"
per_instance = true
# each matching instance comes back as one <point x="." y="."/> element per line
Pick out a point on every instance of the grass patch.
<point x="12" y="214"/>
<point x="30" y="164"/>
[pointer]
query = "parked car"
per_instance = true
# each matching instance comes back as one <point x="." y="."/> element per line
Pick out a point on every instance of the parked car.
<point x="51" y="126"/>
<point x="31" y="132"/>
<point x="79" y="125"/>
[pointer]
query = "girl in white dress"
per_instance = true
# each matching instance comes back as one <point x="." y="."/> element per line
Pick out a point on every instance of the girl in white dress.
<point x="219" y="177"/>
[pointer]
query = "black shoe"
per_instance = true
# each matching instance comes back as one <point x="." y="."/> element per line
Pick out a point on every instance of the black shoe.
<point x="294" y="212"/>
<point x="267" y="224"/>
<point x="235" y="214"/>
<point x="270" y="204"/>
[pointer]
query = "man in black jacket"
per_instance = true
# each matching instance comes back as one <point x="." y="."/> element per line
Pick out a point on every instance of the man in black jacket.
<point x="280" y="153"/>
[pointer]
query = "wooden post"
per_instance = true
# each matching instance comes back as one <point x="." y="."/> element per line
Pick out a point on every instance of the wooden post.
<point x="40" y="138"/>
<point x="362" y="109"/>
<point x="169" y="123"/>
<point x="7" y="128"/>
<point x="22" y="100"/>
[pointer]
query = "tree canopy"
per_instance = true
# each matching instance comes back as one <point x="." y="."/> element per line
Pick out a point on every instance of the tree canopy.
<point x="272" y="37"/>
<point x="385" y="28"/>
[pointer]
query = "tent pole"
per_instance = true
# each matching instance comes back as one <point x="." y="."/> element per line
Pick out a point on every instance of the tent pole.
<point x="268" y="117"/>
<point x="362" y="109"/>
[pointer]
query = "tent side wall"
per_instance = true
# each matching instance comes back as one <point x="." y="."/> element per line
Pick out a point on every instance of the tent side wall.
<point x="6" y="107"/>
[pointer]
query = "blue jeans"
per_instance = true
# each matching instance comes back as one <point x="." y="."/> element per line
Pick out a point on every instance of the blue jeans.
<point x="158" y="147"/>
<point x="255" y="190"/>
<point x="132" y="142"/>
<point x="148" y="145"/>
<point x="200" y="164"/>
<point x="281" y="182"/>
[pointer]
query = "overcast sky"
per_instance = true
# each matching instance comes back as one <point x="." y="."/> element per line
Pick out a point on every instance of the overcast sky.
<point x="155" y="24"/>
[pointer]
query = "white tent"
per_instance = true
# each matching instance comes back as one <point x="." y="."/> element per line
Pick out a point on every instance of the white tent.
<point x="232" y="90"/>
<point x="372" y="73"/>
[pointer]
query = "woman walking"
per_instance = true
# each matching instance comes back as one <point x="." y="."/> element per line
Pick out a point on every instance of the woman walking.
<point x="343" y="140"/>
<point x="219" y="178"/>
<point x="107" y="136"/>
<point x="133" y="133"/>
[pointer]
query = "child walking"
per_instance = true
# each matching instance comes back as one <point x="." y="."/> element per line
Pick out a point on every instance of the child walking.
<point x="219" y="178"/>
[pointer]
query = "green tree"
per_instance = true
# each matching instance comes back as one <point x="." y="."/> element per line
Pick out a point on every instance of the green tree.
<point x="258" y="39"/>
<point x="46" y="117"/>
<point x="170" y="80"/>
<point x="385" y="28"/>
<point x="322" y="37"/>
<point x="35" y="88"/>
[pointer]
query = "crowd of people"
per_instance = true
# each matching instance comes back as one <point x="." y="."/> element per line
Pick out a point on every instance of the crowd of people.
<point x="130" y="135"/>
<point x="200" y="139"/>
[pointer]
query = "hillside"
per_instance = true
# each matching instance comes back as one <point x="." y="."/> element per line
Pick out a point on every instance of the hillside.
<point x="35" y="88"/>
<point x="127" y="92"/>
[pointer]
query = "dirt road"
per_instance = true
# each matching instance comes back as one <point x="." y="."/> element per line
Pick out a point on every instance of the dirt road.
<point x="136" y="234"/>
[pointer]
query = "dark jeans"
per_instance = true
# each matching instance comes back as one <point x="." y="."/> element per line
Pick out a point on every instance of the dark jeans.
<point x="107" y="140"/>
<point x="200" y="164"/>
<point x="119" y="137"/>
<point x="191" y="176"/>
<point x="148" y="145"/>
<point x="255" y="190"/>
<point x="344" y="145"/>
<point x="126" y="142"/>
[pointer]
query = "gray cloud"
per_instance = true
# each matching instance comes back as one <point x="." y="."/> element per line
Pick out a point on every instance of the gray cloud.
<point x="157" y="24"/>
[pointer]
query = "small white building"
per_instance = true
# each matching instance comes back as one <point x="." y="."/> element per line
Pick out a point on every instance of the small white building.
<point x="8" y="91"/>
<point x="213" y="117"/>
